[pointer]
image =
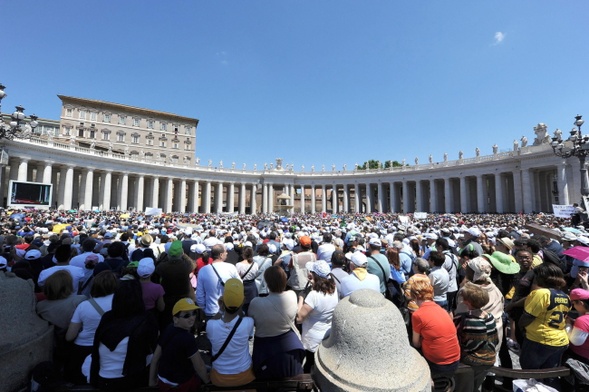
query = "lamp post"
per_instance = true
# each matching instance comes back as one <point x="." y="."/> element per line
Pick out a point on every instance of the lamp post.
<point x="576" y="145"/>
<point x="17" y="127"/>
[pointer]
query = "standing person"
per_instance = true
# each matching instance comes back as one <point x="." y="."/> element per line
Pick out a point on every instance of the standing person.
<point x="315" y="310"/>
<point x="359" y="277"/>
<point x="451" y="265"/>
<point x="231" y="366"/>
<point x="177" y="365"/>
<point x="578" y="328"/>
<point x="378" y="264"/>
<point x="263" y="260"/>
<point x="434" y="334"/>
<point x="153" y="293"/>
<point x="278" y="351"/>
<point x="326" y="249"/>
<point x="544" y="322"/>
<point x="61" y="259"/>
<point x="298" y="280"/>
<point x="338" y="268"/>
<point x="84" y="322"/>
<point x="439" y="278"/>
<point x="124" y="341"/>
<point x="248" y="270"/>
<point x="211" y="281"/>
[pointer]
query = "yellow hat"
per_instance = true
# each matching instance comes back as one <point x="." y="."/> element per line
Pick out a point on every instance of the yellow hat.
<point x="233" y="295"/>
<point x="184" y="305"/>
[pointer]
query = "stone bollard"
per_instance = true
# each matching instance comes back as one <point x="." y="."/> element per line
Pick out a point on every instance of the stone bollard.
<point x="26" y="339"/>
<point x="368" y="349"/>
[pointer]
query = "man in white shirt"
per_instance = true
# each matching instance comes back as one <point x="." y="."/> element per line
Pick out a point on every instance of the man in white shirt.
<point x="62" y="258"/>
<point x="211" y="281"/>
<point x="87" y="247"/>
<point x="326" y="248"/>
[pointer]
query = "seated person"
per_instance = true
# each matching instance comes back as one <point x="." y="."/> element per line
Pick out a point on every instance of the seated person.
<point x="229" y="336"/>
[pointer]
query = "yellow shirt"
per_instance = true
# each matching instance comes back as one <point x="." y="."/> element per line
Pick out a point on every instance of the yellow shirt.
<point x="549" y="307"/>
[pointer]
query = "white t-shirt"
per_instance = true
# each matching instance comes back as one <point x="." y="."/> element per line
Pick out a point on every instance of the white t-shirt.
<point x="77" y="274"/>
<point x="80" y="260"/>
<point x="111" y="362"/>
<point x="318" y="321"/>
<point x="86" y="314"/>
<point x="236" y="357"/>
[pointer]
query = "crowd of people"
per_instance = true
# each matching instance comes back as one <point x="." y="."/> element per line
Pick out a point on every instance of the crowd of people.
<point x="131" y="296"/>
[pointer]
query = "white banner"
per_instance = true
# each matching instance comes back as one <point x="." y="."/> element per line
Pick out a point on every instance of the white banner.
<point x="420" y="215"/>
<point x="563" y="211"/>
<point x="151" y="211"/>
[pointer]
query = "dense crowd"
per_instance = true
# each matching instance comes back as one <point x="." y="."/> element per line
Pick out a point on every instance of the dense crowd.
<point x="135" y="298"/>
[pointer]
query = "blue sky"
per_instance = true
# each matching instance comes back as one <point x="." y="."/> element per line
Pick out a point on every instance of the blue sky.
<point x="313" y="82"/>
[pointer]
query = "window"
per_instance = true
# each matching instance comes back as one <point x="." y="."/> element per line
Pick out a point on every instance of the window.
<point x="149" y="155"/>
<point x="120" y="137"/>
<point x="162" y="143"/>
<point x="176" y="145"/>
<point x="105" y="135"/>
<point x="82" y="115"/>
<point x="187" y="144"/>
<point x="92" y="134"/>
<point x="93" y="116"/>
<point x="163" y="126"/>
<point x="174" y="158"/>
<point x="186" y="160"/>
<point x="134" y="154"/>
<point x="135" y="138"/>
<point x="163" y="157"/>
<point x="66" y="131"/>
<point x="106" y="117"/>
<point x="69" y="112"/>
<point x="136" y="121"/>
<point x="80" y="132"/>
<point x="122" y="119"/>
<point x="150" y="124"/>
<point x="187" y="130"/>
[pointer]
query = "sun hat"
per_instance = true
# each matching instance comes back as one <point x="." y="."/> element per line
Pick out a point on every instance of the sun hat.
<point x="320" y="267"/>
<point x="146" y="240"/>
<point x="503" y="263"/>
<point x="508" y="242"/>
<point x="481" y="268"/>
<point x="184" y="305"/>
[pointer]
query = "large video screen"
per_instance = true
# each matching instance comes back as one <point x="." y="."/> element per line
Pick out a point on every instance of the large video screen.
<point x="24" y="194"/>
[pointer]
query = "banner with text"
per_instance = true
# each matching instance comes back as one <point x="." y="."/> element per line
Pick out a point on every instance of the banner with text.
<point x="562" y="210"/>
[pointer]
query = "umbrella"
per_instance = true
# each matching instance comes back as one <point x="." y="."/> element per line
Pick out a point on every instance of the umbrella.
<point x="578" y="252"/>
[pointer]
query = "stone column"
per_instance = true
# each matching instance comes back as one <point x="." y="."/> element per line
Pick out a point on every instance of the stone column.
<point x="253" y="201"/>
<point x="481" y="194"/>
<point x="88" y="187"/>
<point x="302" y="199"/>
<point x="155" y="192"/>
<point x="39" y="175"/>
<point x="419" y="195"/>
<point x="323" y="199"/>
<point x="47" y="172"/>
<point x="406" y="198"/>
<point x="448" y="195"/>
<point x="313" y="202"/>
<point x="334" y="199"/>
<point x="265" y="198"/>
<point x="194" y="197"/>
<point x="346" y="198"/>
<point x="270" y="198"/>
<point x="169" y="194"/>
<point x="69" y="185"/>
<point x="393" y="197"/>
<point x="527" y="191"/>
<point x="139" y="191"/>
<point x="207" y="198"/>
<point x="369" y="201"/>
<point x="357" y="198"/>
<point x="23" y="169"/>
<point x="182" y="196"/>
<point x="242" y="198"/>
<point x="499" y="193"/>
<point x="231" y="197"/>
<point x="106" y="189"/>
<point x="563" y="188"/>
<point x="463" y="193"/>
<point x="124" y="192"/>
<point x="381" y="202"/>
<point x="292" y="195"/>
<point x="433" y="196"/>
<point x="219" y="198"/>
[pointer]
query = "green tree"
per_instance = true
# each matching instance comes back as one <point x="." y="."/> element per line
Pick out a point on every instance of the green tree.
<point x="371" y="164"/>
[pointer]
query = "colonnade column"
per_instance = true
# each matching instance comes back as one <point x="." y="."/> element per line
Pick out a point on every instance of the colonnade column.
<point x="270" y="198"/>
<point x="47" y="172"/>
<point x="419" y="195"/>
<point x="230" y="197"/>
<point x="89" y="185"/>
<point x="381" y="202"/>
<point x="106" y="189"/>
<point x="406" y="196"/>
<point x="480" y="194"/>
<point x="302" y="199"/>
<point x="346" y="199"/>
<point x="68" y="186"/>
<point x="527" y="191"/>
<point x="463" y="203"/>
<point x="291" y="190"/>
<point x="242" y="198"/>
<point x="265" y="198"/>
<point x="169" y="194"/>
<point x="313" y="208"/>
<point x="182" y="196"/>
<point x="194" y="197"/>
<point x="155" y="192"/>
<point x="447" y="195"/>
<point x="207" y="198"/>
<point x="124" y="191"/>
<point x="139" y="191"/>
<point x="357" y="198"/>
<point x="498" y="193"/>
<point x="334" y="199"/>
<point x="219" y="198"/>
<point x="563" y="188"/>
<point x="392" y="197"/>
<point x="323" y="199"/>
<point x="23" y="169"/>
<point x="253" y="201"/>
<point x="433" y="196"/>
<point x="368" y="198"/>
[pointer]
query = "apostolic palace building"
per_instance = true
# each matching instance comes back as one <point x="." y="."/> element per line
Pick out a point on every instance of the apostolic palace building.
<point x="102" y="155"/>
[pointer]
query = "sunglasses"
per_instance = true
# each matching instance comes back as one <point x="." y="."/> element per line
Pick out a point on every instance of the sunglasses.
<point x="187" y="315"/>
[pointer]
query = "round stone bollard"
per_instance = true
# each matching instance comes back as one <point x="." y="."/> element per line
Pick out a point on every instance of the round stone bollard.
<point x="26" y="339"/>
<point x="368" y="349"/>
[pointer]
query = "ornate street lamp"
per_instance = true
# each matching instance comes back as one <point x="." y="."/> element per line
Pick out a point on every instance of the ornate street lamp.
<point x="17" y="127"/>
<point x="576" y="145"/>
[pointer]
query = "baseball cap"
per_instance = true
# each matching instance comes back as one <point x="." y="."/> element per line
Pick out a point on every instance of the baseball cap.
<point x="145" y="267"/>
<point x="233" y="295"/>
<point x="579" y="294"/>
<point x="359" y="259"/>
<point x="375" y="242"/>
<point x="305" y="241"/>
<point x="33" y="254"/>
<point x="184" y="305"/>
<point x="320" y="267"/>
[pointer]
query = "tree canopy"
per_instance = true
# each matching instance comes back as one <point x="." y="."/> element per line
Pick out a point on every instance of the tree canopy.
<point x="376" y="164"/>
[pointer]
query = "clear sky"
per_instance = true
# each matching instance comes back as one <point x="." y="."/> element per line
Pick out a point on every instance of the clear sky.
<point x="313" y="82"/>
